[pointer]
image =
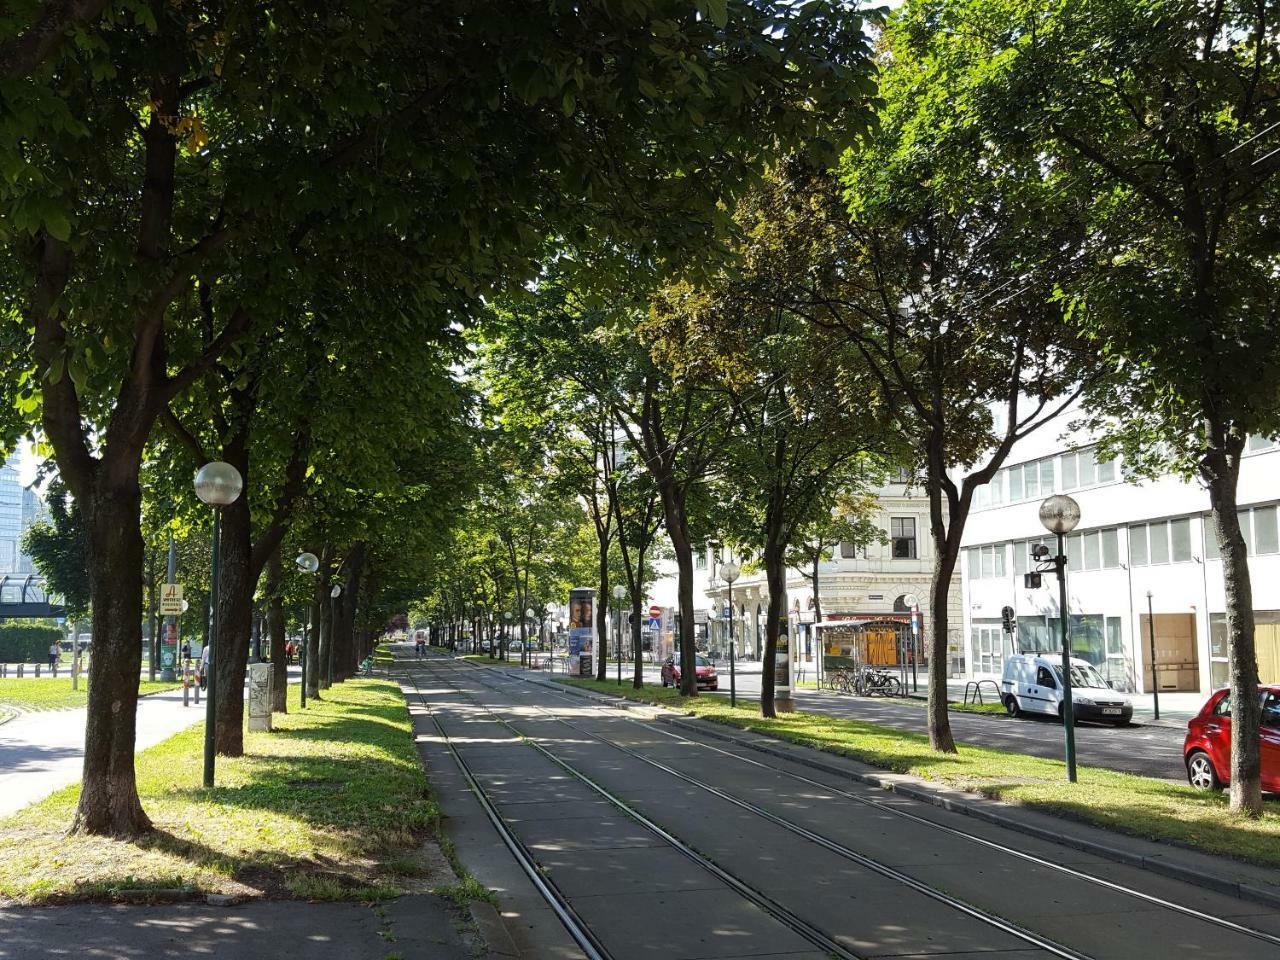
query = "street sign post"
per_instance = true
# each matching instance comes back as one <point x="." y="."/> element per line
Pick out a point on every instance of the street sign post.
<point x="171" y="600"/>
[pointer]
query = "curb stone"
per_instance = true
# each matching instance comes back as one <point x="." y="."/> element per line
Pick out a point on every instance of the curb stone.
<point x="951" y="800"/>
<point x="493" y="930"/>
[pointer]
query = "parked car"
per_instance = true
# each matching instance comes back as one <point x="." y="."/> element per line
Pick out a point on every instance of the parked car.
<point x="1207" y="749"/>
<point x="1032" y="683"/>
<point x="704" y="668"/>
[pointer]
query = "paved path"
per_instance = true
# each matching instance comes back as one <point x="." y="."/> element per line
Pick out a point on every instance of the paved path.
<point x="43" y="751"/>
<point x="420" y="927"/>
<point x="748" y="855"/>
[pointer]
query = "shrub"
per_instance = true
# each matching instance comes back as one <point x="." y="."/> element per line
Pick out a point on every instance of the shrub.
<point x="26" y="643"/>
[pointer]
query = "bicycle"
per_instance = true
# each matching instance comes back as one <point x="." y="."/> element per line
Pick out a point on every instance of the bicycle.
<point x="842" y="679"/>
<point x="873" y="681"/>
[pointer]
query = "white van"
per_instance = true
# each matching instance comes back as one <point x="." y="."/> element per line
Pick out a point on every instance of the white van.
<point x="1032" y="683"/>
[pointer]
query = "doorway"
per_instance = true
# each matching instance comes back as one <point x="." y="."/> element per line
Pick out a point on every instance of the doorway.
<point x="1177" y="663"/>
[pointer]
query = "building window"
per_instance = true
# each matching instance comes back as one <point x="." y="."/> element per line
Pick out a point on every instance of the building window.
<point x="1081" y="468"/>
<point x="1094" y="550"/>
<point x="848" y="549"/>
<point x="902" y="530"/>
<point x="1256" y="443"/>
<point x="1165" y="541"/>
<point x="1258" y="526"/>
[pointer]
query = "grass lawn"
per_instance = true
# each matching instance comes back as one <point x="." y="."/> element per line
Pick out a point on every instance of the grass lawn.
<point x="1140" y="806"/>
<point x="331" y="805"/>
<point x="56" y="693"/>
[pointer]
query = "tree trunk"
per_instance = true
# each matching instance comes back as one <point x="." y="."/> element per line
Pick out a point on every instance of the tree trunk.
<point x="1221" y="471"/>
<point x="946" y="548"/>
<point x="637" y="641"/>
<point x="325" y="603"/>
<point x="678" y="533"/>
<point x="348" y="647"/>
<point x="775" y="568"/>
<point x="235" y="625"/>
<point x="313" y="650"/>
<point x="602" y="611"/>
<point x="278" y="634"/>
<point x="109" y="803"/>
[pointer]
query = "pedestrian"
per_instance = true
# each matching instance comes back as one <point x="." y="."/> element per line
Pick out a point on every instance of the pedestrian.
<point x="55" y="654"/>
<point x="186" y="650"/>
<point x="204" y="667"/>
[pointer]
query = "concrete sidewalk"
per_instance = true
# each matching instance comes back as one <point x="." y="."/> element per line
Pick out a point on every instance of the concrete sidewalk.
<point x="43" y="751"/>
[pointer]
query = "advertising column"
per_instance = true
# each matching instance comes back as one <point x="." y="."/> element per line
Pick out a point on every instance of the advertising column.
<point x="582" y="632"/>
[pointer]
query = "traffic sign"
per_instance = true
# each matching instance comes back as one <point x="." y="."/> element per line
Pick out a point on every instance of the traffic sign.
<point x="170" y="600"/>
<point x="655" y="612"/>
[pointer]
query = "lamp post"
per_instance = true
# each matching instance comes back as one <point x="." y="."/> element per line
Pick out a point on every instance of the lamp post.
<point x="912" y="601"/>
<point x="529" y="614"/>
<point x="730" y="571"/>
<point x="506" y="635"/>
<point x="307" y="563"/>
<point x="217" y="485"/>
<point x="1155" y="686"/>
<point x="1060" y="514"/>
<point x="334" y="594"/>
<point x="619" y="591"/>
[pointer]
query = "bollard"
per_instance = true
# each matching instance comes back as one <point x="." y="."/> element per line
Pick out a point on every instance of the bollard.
<point x="20" y="666"/>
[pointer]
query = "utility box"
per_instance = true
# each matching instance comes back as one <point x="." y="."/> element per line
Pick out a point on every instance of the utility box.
<point x="260" y="684"/>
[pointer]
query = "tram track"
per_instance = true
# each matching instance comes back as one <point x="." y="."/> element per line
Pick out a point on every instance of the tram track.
<point x="895" y="810"/>
<point x="808" y="930"/>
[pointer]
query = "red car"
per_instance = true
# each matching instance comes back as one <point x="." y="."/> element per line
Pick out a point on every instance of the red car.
<point x="704" y="668"/>
<point x="1207" y="749"/>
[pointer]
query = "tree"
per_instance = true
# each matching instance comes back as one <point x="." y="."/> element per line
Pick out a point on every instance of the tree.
<point x="791" y="442"/>
<point x="844" y="518"/>
<point x="57" y="546"/>
<point x="1158" y="116"/>
<point x="913" y="263"/>
<point x="157" y="164"/>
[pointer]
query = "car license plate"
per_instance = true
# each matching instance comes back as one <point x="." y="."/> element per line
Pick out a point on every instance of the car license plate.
<point x="1115" y="710"/>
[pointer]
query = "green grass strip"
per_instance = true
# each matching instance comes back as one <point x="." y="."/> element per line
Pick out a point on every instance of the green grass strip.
<point x="55" y="693"/>
<point x="328" y="806"/>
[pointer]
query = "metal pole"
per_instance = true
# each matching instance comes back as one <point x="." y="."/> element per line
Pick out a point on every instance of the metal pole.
<point x="1155" y="686"/>
<point x="75" y="656"/>
<point x="171" y="621"/>
<point x="733" y="680"/>
<point x="154" y="654"/>
<point x="1068" y="712"/>
<point x="333" y="622"/>
<point x="302" y="650"/>
<point x="617" y="641"/>
<point x="915" y="647"/>
<point x="210" y="713"/>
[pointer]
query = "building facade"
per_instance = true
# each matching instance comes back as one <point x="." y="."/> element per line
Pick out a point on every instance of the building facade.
<point x="862" y="592"/>
<point x="1142" y="562"/>
<point x="20" y="507"/>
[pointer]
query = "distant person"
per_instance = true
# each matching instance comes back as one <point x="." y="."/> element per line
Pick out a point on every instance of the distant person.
<point x="204" y="667"/>
<point x="55" y="654"/>
<point x="186" y="650"/>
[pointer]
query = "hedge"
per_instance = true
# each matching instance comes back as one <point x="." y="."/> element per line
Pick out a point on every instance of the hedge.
<point x="27" y="643"/>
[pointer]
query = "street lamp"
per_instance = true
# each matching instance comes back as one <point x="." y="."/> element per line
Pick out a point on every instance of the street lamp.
<point x="307" y="563"/>
<point x="1059" y="514"/>
<point x="912" y="601"/>
<point x="619" y="591"/>
<point x="730" y="571"/>
<point x="1155" y="686"/>
<point x="529" y="614"/>
<point x="217" y="485"/>
<point x="334" y="594"/>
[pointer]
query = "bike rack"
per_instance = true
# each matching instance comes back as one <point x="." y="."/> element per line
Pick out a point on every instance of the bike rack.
<point x="974" y="688"/>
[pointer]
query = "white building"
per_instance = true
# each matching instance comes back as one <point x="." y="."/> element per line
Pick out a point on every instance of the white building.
<point x="1133" y="538"/>
<point x="861" y="590"/>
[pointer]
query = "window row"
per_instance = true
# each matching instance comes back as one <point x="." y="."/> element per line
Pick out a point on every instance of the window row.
<point x="1074" y="470"/>
<point x="1258" y="526"/>
<point x="902" y="541"/>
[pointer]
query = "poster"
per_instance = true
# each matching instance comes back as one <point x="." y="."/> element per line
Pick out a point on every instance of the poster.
<point x="782" y="661"/>
<point x="582" y="632"/>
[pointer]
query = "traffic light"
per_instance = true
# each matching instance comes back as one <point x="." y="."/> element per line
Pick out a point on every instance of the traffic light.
<point x="1032" y="581"/>
<point x="1006" y="616"/>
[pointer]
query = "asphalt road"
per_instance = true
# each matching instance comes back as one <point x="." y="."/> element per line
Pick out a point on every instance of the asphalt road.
<point x="1150" y="749"/>
<point x="661" y="844"/>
